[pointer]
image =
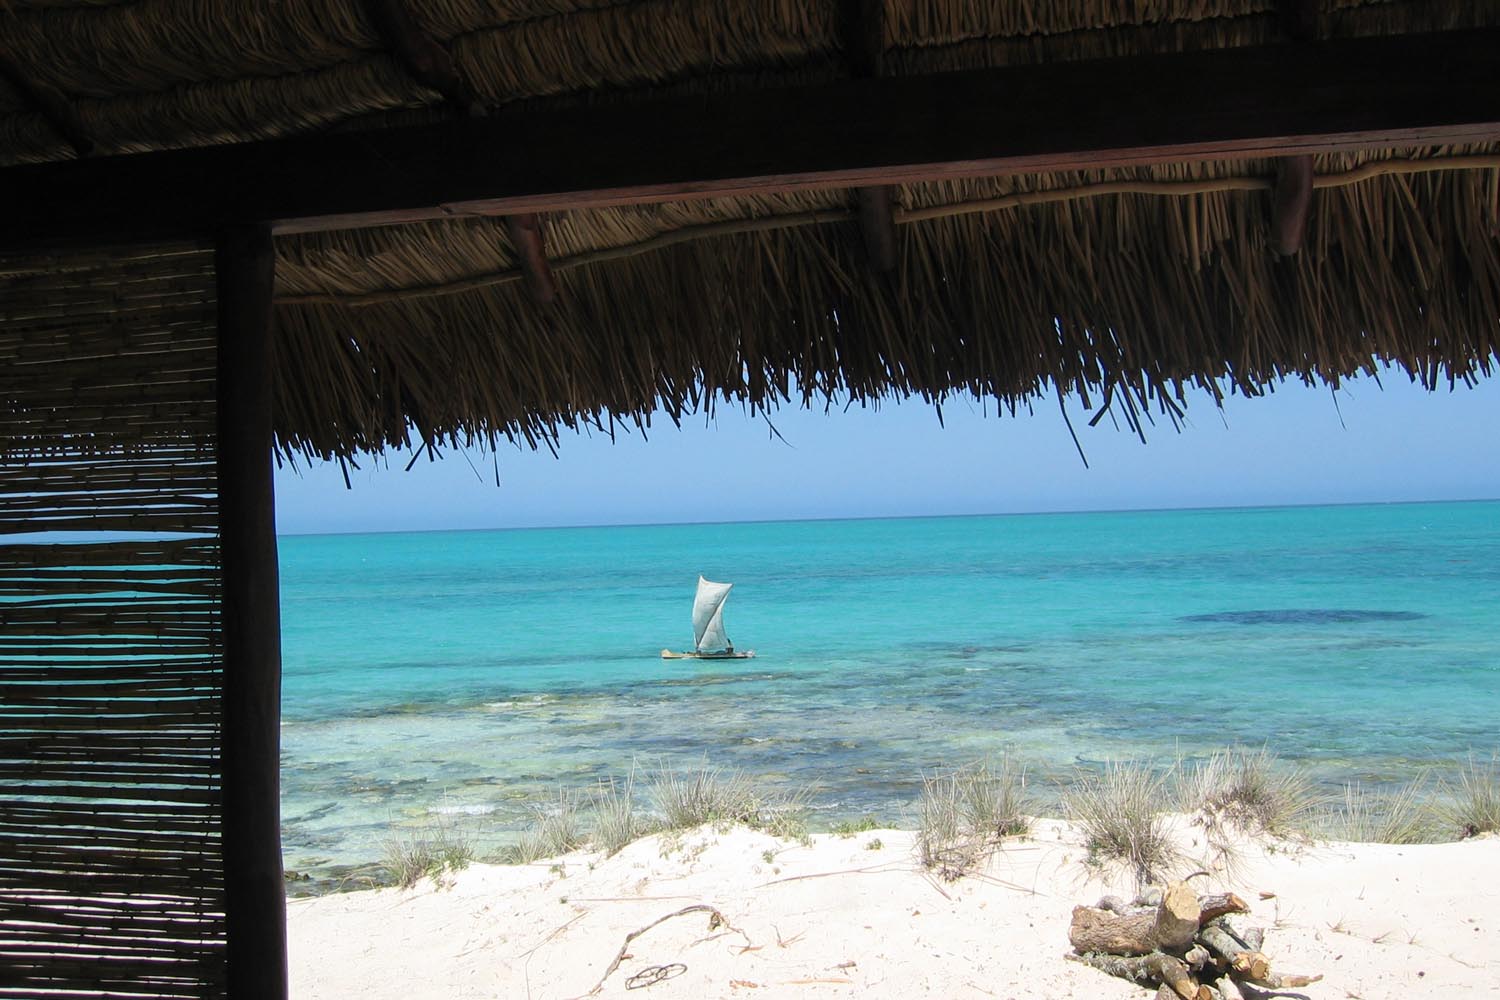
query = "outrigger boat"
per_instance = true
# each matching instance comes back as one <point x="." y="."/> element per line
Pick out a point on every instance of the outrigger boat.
<point x="709" y="640"/>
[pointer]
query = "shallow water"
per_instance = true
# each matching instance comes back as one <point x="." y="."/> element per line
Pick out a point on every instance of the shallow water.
<point x="467" y="674"/>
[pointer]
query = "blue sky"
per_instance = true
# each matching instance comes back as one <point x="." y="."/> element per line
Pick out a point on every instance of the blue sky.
<point x="1388" y="442"/>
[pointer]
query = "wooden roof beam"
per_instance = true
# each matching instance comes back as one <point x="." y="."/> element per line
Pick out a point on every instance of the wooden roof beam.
<point x="51" y="104"/>
<point x="864" y="50"/>
<point x="420" y="54"/>
<point x="1266" y="101"/>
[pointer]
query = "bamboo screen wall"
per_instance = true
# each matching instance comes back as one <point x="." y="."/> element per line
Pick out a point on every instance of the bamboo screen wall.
<point x="111" y="877"/>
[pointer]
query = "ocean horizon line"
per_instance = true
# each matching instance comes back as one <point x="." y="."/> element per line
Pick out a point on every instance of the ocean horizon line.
<point x="855" y="518"/>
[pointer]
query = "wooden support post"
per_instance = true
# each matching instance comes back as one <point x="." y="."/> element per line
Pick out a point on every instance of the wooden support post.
<point x="50" y="103"/>
<point x="1290" y="203"/>
<point x="255" y="893"/>
<point x="526" y="237"/>
<point x="420" y="54"/>
<point x="864" y="48"/>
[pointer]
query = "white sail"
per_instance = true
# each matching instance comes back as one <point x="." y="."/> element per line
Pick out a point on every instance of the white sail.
<point x="708" y="616"/>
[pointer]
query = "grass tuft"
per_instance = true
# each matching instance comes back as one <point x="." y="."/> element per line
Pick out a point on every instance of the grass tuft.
<point x="1250" y="790"/>
<point x="702" y="794"/>
<point x="964" y="813"/>
<point x="428" y="852"/>
<point x="1367" y="817"/>
<point x="555" y="830"/>
<point x="1473" y="805"/>
<point x="616" y="822"/>
<point x="845" y="829"/>
<point x="1119" y="812"/>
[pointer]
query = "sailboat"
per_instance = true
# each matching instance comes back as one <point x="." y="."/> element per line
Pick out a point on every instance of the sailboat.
<point x="709" y="640"/>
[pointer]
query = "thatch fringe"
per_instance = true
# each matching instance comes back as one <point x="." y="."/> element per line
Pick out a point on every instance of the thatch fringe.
<point x="1129" y="301"/>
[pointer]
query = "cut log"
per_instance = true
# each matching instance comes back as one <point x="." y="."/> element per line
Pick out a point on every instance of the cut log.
<point x="1228" y="989"/>
<point x="1197" y="957"/>
<point x="1115" y="904"/>
<point x="1284" y="981"/>
<point x="1214" y="907"/>
<point x="1148" y="969"/>
<point x="1255" y="938"/>
<point x="1249" y="964"/>
<point x="1170" y="926"/>
<point x="1177" y="917"/>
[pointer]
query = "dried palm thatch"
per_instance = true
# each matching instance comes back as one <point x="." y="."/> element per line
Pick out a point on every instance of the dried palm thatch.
<point x="1128" y="286"/>
<point x="160" y="74"/>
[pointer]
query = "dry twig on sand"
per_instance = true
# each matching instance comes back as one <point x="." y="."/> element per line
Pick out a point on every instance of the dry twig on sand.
<point x="716" y="920"/>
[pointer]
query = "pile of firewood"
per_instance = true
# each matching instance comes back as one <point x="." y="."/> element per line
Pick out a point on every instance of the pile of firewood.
<point x="1178" y="941"/>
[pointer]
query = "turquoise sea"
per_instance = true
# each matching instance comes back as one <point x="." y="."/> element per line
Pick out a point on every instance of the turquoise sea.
<point x="465" y="675"/>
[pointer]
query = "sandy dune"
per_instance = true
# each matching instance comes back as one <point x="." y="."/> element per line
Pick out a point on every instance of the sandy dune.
<point x="847" y="918"/>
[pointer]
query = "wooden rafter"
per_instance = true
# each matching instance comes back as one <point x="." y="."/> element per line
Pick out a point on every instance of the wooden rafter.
<point x="428" y="62"/>
<point x="1279" y="100"/>
<point x="525" y="233"/>
<point x="51" y="104"/>
<point x="1290" y="203"/>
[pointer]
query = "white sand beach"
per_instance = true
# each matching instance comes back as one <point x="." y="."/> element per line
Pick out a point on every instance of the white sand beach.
<point x="858" y="917"/>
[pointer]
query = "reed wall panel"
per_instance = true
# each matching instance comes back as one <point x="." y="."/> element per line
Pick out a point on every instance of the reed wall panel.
<point x="111" y="680"/>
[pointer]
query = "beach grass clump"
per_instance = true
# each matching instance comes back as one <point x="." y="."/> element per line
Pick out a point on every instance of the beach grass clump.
<point x="1119" y="811"/>
<point x="1364" y="816"/>
<point x="784" y="816"/>
<point x="1249" y="790"/>
<point x="428" y="852"/>
<point x="1473" y="804"/>
<point x="616" y="821"/>
<point x="702" y="794"/>
<point x="848" y="828"/>
<point x="555" y="830"/>
<point x="964" y="813"/>
<point x="995" y="799"/>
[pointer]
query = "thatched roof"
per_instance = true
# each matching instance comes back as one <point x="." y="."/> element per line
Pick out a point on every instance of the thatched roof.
<point x="1126" y="285"/>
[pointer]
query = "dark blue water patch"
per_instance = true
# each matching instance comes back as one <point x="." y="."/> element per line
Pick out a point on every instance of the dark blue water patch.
<point x="1304" y="616"/>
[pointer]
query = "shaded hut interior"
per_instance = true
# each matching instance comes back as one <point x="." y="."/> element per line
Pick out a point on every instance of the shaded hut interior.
<point x="236" y="234"/>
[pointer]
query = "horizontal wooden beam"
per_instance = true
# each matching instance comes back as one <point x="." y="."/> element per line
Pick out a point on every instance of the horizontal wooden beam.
<point x="1279" y="100"/>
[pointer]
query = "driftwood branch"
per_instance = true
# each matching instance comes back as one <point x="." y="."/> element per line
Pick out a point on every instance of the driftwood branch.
<point x="716" y="920"/>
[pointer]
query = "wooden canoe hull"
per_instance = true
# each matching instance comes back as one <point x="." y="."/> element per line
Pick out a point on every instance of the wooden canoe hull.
<point x="668" y="654"/>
